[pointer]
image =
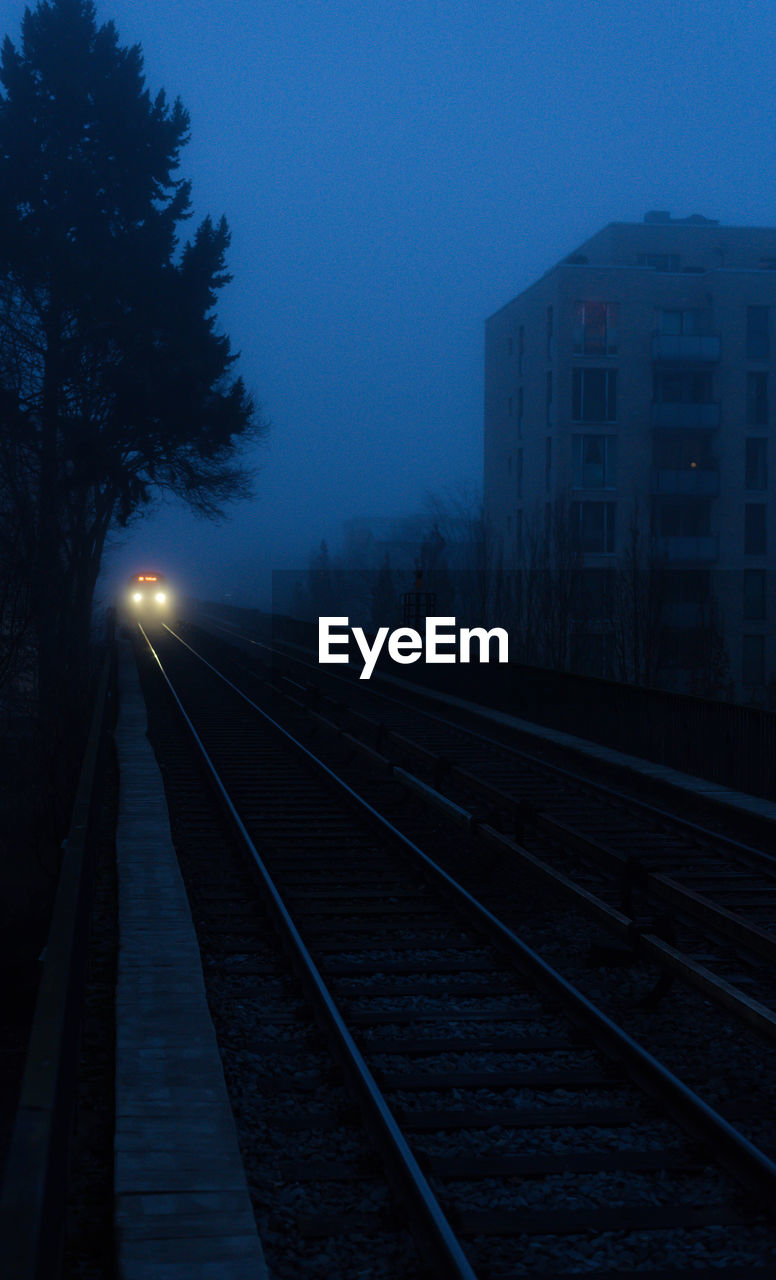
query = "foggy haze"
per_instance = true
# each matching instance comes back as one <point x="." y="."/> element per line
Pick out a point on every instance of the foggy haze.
<point x="392" y="174"/>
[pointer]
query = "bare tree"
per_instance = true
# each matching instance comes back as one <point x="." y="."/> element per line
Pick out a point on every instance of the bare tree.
<point x="543" y="605"/>
<point x="637" y="604"/>
<point x="472" y="555"/>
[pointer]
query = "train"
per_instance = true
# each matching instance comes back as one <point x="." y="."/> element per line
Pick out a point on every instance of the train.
<point x="147" y="596"/>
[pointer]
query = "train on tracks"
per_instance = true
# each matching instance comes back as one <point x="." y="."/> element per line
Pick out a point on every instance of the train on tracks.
<point x="147" y="596"/>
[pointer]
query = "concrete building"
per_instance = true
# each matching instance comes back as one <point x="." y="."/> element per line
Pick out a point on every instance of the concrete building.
<point x="632" y="386"/>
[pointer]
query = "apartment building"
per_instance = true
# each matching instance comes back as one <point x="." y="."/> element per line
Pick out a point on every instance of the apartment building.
<point x="632" y="386"/>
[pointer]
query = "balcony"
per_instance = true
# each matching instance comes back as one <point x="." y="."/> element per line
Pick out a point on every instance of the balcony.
<point x="699" y="482"/>
<point x="689" y="550"/>
<point x="684" y="614"/>
<point x="682" y="414"/>
<point x="689" y="348"/>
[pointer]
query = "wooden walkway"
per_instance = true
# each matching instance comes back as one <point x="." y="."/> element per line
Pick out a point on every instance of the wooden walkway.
<point x="182" y="1209"/>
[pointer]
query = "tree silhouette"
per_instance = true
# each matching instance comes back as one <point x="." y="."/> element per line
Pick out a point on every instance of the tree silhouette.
<point x="114" y="381"/>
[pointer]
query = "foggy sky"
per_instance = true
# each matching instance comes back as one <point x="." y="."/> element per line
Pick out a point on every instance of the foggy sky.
<point x="394" y="172"/>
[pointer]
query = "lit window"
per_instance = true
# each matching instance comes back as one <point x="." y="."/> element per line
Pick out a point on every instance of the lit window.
<point x="595" y="328"/>
<point x="679" y="450"/>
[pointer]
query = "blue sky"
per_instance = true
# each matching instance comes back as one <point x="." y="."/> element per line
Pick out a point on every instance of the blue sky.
<point x="394" y="172"/>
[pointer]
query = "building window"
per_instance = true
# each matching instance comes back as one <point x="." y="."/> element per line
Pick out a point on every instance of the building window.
<point x="753" y="659"/>
<point x="549" y="333"/>
<point x="684" y="519"/>
<point x="520" y="473"/>
<point x="548" y="398"/>
<point x="592" y="525"/>
<point x="757" y="399"/>
<point x="520" y="401"/>
<point x="681" y="450"/>
<point x="594" y="462"/>
<point x="595" y="328"/>
<point x="547" y="462"/>
<point x="685" y="587"/>
<point x="680" y="322"/>
<point x="757" y="337"/>
<point x="594" y="395"/>
<point x="686" y="387"/>
<point x="521" y="350"/>
<point x="754" y="529"/>
<point x="754" y="595"/>
<point x="756" y="471"/>
<point x="658" y="261"/>
<point x="519" y="530"/>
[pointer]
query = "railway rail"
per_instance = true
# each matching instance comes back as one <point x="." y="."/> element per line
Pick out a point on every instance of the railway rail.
<point x="524" y="1132"/>
<point x="693" y="900"/>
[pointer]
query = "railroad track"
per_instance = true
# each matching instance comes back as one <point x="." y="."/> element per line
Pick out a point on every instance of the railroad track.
<point x="691" y="899"/>
<point x="523" y="1131"/>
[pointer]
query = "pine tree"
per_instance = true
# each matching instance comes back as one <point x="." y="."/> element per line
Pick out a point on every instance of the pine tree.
<point x="114" y="382"/>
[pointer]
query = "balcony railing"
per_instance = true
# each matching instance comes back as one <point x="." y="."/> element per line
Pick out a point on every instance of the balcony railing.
<point x="698" y="481"/>
<point x="696" y="550"/>
<point x="681" y="414"/>
<point x="692" y="348"/>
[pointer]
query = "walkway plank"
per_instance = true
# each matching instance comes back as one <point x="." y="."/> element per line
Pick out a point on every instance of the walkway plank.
<point x="182" y="1208"/>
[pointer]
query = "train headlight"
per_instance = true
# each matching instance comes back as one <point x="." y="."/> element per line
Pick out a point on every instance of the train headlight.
<point x="160" y="597"/>
<point x="137" y="596"/>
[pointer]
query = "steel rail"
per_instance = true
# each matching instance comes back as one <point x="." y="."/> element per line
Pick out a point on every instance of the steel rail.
<point x="729" y="924"/>
<point x="694" y="830"/>
<point x="668" y="958"/>
<point x="746" y="1162"/>
<point x="664" y="886"/>
<point x="641" y="940"/>
<point x="445" y="1249"/>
